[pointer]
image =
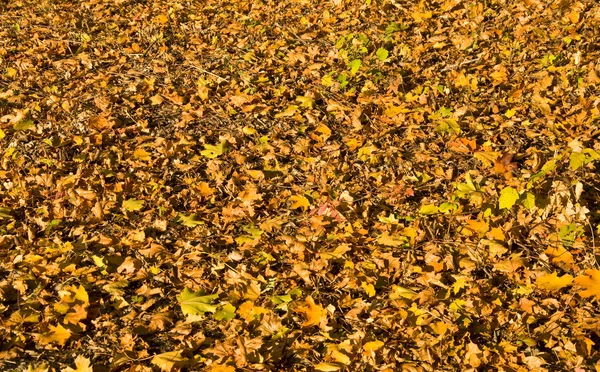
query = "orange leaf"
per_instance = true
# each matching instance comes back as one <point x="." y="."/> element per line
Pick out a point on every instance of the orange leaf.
<point x="591" y="283"/>
<point x="314" y="313"/>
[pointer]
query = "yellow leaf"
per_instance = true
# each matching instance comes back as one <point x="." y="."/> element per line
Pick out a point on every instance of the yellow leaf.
<point x="369" y="288"/>
<point x="401" y="292"/>
<point x="559" y="254"/>
<point x="487" y="157"/>
<point x="82" y="364"/>
<point x="2" y="134"/>
<point x="340" y="357"/>
<point x="392" y="240"/>
<point x="373" y="346"/>
<point x="299" y="201"/>
<point x="248" y="130"/>
<point x="324" y="130"/>
<point x="57" y="334"/>
<point x="327" y="80"/>
<point x="591" y="283"/>
<point x="553" y="282"/>
<point x="290" y="111"/>
<point x="156" y="99"/>
<point x="326" y="367"/>
<point x="11" y="72"/>
<point x="132" y="205"/>
<point x="305" y="102"/>
<point x="439" y="327"/>
<point x="428" y="209"/>
<point x="142" y="154"/>
<point x="314" y="313"/>
<point x="170" y="360"/>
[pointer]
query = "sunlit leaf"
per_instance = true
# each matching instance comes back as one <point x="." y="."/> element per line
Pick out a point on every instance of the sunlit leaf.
<point x="212" y="151"/>
<point x="133" y="205"/>
<point x="314" y="313"/>
<point x="56" y="334"/>
<point x="382" y="54"/>
<point x="168" y="361"/>
<point x="553" y="282"/>
<point x="591" y="282"/>
<point x="299" y="201"/>
<point x="428" y="209"/>
<point x="193" y="303"/>
<point x="82" y="364"/>
<point x="327" y="367"/>
<point x="508" y="198"/>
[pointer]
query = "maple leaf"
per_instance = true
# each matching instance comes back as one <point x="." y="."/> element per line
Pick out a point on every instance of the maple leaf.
<point x="213" y="151"/>
<point x="591" y="283"/>
<point x="553" y="282"/>
<point x="168" y="361"/>
<point x="57" y="334"/>
<point x="142" y="154"/>
<point x="193" y="303"/>
<point x="314" y="313"/>
<point x="82" y="364"/>
<point x="133" y="205"/>
<point x="299" y="201"/>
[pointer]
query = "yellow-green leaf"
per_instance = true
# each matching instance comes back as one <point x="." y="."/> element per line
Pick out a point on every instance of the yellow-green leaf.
<point x="212" y="151"/>
<point x="132" y="205"/>
<point x="428" y="209"/>
<point x="382" y="54"/>
<point x="193" y="303"/>
<point x="189" y="220"/>
<point x="24" y="124"/>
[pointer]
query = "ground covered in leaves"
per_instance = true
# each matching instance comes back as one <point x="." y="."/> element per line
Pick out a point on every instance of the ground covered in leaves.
<point x="299" y="185"/>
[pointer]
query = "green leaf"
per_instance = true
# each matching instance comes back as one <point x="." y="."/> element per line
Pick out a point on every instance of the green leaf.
<point x="354" y="66"/>
<point x="508" y="197"/>
<point x="528" y="200"/>
<point x="382" y="54"/>
<point x="428" y="209"/>
<point x="225" y="312"/>
<point x="189" y="220"/>
<point x="448" y="207"/>
<point x="192" y="303"/>
<point x="212" y="151"/>
<point x="132" y="205"/>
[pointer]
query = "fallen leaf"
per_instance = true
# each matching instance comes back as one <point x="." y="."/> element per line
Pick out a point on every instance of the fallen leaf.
<point x="314" y="313"/>
<point x="82" y="364"/>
